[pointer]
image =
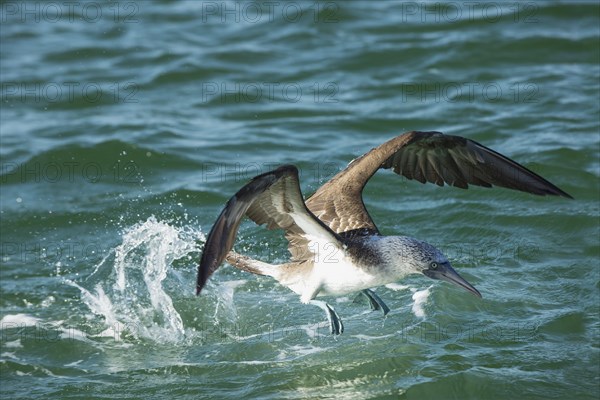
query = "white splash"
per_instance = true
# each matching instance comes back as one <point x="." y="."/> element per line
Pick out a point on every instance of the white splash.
<point x="225" y="305"/>
<point x="420" y="297"/>
<point x="73" y="334"/>
<point x="133" y="298"/>
<point x="15" y="344"/>
<point x="396" y="287"/>
<point x="18" y="320"/>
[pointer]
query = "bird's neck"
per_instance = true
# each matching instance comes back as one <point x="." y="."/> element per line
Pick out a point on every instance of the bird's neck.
<point x="384" y="254"/>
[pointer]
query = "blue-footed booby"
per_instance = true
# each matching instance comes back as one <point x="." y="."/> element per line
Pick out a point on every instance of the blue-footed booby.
<point x="335" y="247"/>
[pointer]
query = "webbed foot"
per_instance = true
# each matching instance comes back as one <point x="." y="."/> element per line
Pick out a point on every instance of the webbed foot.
<point x="375" y="301"/>
<point x="335" y="322"/>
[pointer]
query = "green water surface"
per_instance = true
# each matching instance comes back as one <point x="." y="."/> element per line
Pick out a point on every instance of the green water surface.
<point x="125" y="126"/>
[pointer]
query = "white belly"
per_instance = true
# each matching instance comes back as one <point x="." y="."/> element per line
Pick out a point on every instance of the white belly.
<point x="344" y="278"/>
<point x="339" y="278"/>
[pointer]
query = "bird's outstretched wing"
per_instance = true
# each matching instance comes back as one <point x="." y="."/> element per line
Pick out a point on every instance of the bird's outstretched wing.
<point x="426" y="157"/>
<point x="273" y="198"/>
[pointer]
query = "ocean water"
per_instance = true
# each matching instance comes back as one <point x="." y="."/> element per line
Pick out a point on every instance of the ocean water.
<point x="125" y="126"/>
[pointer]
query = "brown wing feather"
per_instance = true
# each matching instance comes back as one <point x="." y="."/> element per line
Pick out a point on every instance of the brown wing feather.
<point x="426" y="157"/>
<point x="276" y="208"/>
<point x="339" y="204"/>
<point x="460" y="162"/>
<point x="274" y="199"/>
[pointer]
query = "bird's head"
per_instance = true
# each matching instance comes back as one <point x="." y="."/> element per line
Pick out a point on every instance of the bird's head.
<point x="415" y="256"/>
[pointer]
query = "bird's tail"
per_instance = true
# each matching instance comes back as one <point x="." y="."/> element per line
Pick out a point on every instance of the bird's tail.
<point x="248" y="264"/>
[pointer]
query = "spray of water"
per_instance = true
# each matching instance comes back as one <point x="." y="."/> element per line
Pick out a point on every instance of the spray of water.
<point x="134" y="297"/>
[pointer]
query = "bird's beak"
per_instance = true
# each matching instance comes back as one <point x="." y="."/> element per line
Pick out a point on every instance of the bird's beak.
<point x="446" y="273"/>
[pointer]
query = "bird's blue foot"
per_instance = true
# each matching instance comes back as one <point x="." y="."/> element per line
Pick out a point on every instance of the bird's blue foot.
<point x="335" y="322"/>
<point x="375" y="301"/>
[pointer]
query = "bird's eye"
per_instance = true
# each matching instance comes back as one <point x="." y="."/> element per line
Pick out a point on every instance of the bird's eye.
<point x="433" y="265"/>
